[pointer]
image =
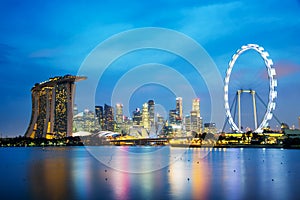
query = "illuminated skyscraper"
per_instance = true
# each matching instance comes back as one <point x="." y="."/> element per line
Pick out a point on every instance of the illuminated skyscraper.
<point x="151" y="105"/>
<point x="145" y="116"/>
<point x="119" y="114"/>
<point x="99" y="116"/>
<point x="109" y="123"/>
<point x="179" y="107"/>
<point x="52" y="108"/>
<point x="172" y="117"/>
<point x="196" y="106"/>
<point x="187" y="122"/>
<point x="195" y="119"/>
<point x="137" y="117"/>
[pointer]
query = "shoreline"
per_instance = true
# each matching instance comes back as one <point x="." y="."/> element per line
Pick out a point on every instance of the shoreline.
<point x="247" y="146"/>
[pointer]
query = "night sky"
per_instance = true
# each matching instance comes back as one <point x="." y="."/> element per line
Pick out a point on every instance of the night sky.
<point x="42" y="39"/>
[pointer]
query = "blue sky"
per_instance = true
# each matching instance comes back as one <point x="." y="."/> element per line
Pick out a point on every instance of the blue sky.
<point x="41" y="39"/>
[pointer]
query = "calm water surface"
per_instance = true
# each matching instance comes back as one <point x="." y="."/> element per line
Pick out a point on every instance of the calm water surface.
<point x="148" y="173"/>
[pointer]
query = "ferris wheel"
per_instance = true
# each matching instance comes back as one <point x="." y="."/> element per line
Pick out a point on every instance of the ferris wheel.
<point x="270" y="106"/>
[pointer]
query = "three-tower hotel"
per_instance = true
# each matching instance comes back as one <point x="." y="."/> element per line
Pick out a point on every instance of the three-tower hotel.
<point x="52" y="107"/>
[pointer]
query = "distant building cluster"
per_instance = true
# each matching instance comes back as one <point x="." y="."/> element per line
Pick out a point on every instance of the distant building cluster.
<point x="54" y="115"/>
<point x="144" y="122"/>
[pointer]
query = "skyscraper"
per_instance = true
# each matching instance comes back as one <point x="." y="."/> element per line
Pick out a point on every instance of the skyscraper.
<point x="151" y="105"/>
<point x="179" y="107"/>
<point x="145" y="116"/>
<point x="109" y="123"/>
<point x="119" y="113"/>
<point x="195" y="119"/>
<point x="196" y="106"/>
<point x="137" y="117"/>
<point x="52" y="107"/>
<point x="99" y="116"/>
<point x="173" y="117"/>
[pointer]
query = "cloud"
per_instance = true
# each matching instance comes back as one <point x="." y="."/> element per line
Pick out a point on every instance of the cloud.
<point x="286" y="68"/>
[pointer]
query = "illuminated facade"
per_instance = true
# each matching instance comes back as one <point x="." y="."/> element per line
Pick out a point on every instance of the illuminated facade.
<point x="145" y="116"/>
<point x="196" y="120"/>
<point x="109" y="123"/>
<point x="119" y="113"/>
<point x="99" y="116"/>
<point x="179" y="107"/>
<point x="52" y="107"/>
<point x="151" y="105"/>
<point x="196" y="106"/>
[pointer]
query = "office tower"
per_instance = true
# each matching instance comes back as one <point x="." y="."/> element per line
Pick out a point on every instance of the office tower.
<point x="173" y="117"/>
<point x="179" y="107"/>
<point x="119" y="114"/>
<point x="187" y="123"/>
<point x="137" y="117"/>
<point x="145" y="116"/>
<point x="195" y="119"/>
<point x="196" y="106"/>
<point x="151" y="105"/>
<point x="52" y="107"/>
<point x="99" y="116"/>
<point x="109" y="123"/>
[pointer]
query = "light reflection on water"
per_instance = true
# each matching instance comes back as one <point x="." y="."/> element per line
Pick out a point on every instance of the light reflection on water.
<point x="72" y="173"/>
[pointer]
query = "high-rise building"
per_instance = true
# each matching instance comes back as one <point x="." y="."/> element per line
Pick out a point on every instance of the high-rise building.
<point x="119" y="114"/>
<point x="85" y="121"/>
<point x="179" y="107"/>
<point x="109" y="123"/>
<point x="145" y="116"/>
<point x="196" y="106"/>
<point x="99" y="116"/>
<point x="173" y="117"/>
<point x="52" y="107"/>
<point x="151" y="105"/>
<point x="195" y="119"/>
<point x="137" y="117"/>
<point x="187" y="123"/>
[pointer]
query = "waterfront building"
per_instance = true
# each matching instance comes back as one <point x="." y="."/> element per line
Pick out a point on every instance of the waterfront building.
<point x="52" y="107"/>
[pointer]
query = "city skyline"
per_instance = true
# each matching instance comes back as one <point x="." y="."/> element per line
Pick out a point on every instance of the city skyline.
<point x="45" y="39"/>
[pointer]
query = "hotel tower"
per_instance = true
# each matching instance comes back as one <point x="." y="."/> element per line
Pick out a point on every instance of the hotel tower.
<point x="52" y="107"/>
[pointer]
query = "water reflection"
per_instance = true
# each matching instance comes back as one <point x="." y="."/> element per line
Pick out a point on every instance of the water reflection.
<point x="73" y="173"/>
<point x="190" y="176"/>
<point x="50" y="178"/>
